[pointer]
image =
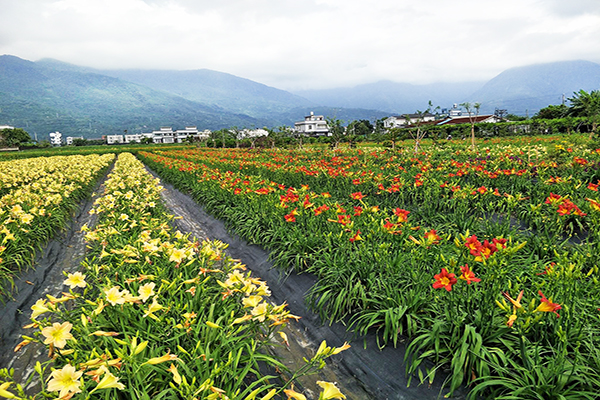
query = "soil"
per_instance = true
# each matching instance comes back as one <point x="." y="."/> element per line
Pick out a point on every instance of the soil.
<point x="361" y="372"/>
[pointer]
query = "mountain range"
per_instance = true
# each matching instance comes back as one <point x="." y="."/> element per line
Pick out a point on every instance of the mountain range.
<point x="50" y="95"/>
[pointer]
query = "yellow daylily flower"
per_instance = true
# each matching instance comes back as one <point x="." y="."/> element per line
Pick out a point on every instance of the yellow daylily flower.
<point x="292" y="394"/>
<point x="74" y="280"/>
<point x="161" y="359"/>
<point x="57" y="334"/>
<point x="5" y="393"/>
<point x="40" y="307"/>
<point x="260" y="312"/>
<point x="251" y="301"/>
<point x="65" y="380"/>
<point x="114" y="296"/>
<point x="176" y="376"/>
<point x="109" y="381"/>
<point x="146" y="291"/>
<point x="330" y="391"/>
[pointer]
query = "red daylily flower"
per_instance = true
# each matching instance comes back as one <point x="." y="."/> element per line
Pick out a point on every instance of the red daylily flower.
<point x="487" y="249"/>
<point x="321" y="209"/>
<point x="594" y="204"/>
<point x="472" y="243"/>
<point x="401" y="214"/>
<point x="431" y="237"/>
<point x="468" y="275"/>
<point x="291" y="217"/>
<point x="356" y="237"/>
<point x="500" y="243"/>
<point x="553" y="198"/>
<point x="307" y="203"/>
<point x="444" y="280"/>
<point x="547" y="305"/>
<point x="357" y="196"/>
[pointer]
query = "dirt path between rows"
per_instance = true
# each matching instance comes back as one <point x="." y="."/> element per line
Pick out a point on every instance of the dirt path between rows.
<point x="362" y="372"/>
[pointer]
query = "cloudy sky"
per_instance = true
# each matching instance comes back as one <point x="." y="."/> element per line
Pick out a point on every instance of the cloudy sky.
<point x="306" y="44"/>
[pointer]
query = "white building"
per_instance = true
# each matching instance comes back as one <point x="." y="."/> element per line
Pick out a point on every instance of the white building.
<point x="312" y="125"/>
<point x="205" y="134"/>
<point x="55" y="138"/>
<point x="402" y="121"/>
<point x="114" y="139"/>
<point x="69" y="139"/>
<point x="2" y="127"/>
<point x="166" y="135"/>
<point x="137" y="137"/>
<point x="181" y="135"/>
<point x="252" y="133"/>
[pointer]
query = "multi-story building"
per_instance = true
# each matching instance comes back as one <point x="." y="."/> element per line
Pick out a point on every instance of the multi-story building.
<point x="114" y="139"/>
<point x="314" y="125"/>
<point x="137" y="137"/>
<point x="55" y="138"/>
<point x="166" y="135"/>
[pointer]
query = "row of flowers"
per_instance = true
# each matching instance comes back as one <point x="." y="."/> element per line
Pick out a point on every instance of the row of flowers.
<point x="156" y="313"/>
<point x="38" y="198"/>
<point x="508" y="180"/>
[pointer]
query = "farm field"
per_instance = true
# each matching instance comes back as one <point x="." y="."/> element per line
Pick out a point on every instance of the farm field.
<point x="153" y="313"/>
<point x="487" y="261"/>
<point x="483" y="265"/>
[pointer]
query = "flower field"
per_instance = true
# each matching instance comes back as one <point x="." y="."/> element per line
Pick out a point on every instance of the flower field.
<point x="156" y="315"/>
<point x="486" y="262"/>
<point x="37" y="197"/>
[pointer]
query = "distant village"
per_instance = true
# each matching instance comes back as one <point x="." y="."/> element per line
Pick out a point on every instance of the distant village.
<point x="312" y="125"/>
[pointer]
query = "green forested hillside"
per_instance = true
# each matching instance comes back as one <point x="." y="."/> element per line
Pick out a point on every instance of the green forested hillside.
<point x="43" y="99"/>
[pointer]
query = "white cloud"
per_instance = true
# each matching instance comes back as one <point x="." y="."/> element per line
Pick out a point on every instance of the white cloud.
<point x="294" y="44"/>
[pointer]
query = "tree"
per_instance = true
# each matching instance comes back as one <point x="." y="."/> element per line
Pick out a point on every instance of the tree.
<point x="361" y="127"/>
<point x="513" y="117"/>
<point x="236" y="135"/>
<point x="277" y="135"/>
<point x="419" y="133"/>
<point x="13" y="137"/>
<point x="79" y="142"/>
<point x="472" y="118"/>
<point x="552" y="112"/>
<point x="214" y="135"/>
<point x="394" y="134"/>
<point x="336" y="131"/>
<point x="584" y="104"/>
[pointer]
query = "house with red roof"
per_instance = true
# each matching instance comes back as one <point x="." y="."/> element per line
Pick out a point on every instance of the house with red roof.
<point x="477" y="119"/>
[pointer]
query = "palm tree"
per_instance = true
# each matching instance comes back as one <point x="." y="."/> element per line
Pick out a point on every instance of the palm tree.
<point x="584" y="104"/>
